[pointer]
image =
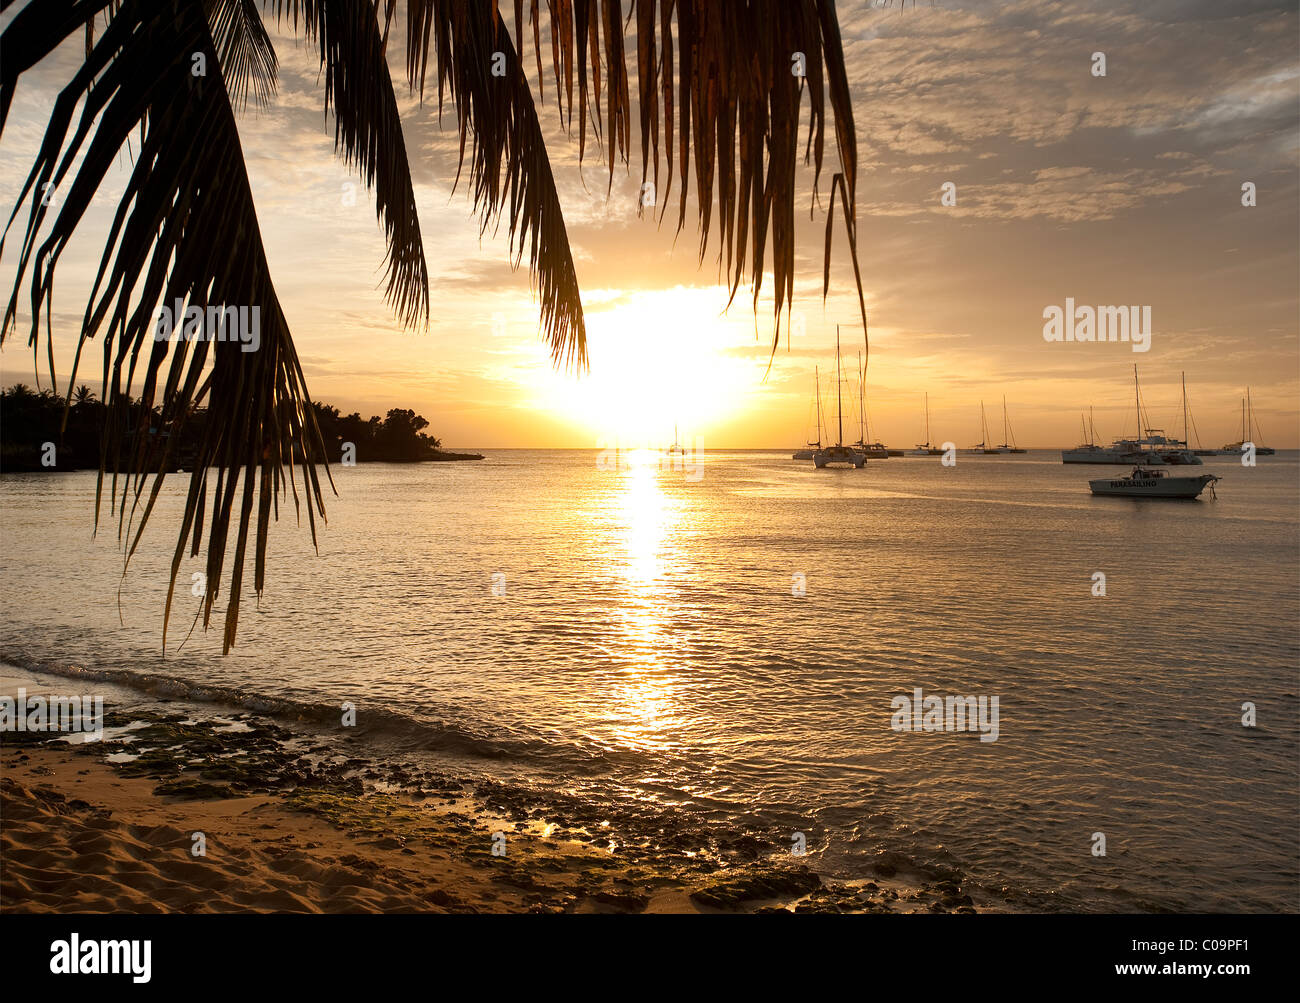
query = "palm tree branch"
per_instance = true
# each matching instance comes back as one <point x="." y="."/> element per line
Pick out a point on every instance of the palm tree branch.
<point x="257" y="412"/>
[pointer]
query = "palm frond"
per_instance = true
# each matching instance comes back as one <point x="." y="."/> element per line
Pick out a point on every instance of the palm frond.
<point x="247" y="57"/>
<point x="736" y="105"/>
<point x="185" y="230"/>
<point x="368" y="132"/>
<point x="509" y="169"/>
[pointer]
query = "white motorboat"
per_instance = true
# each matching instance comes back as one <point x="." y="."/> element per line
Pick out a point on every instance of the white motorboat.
<point x="1147" y="483"/>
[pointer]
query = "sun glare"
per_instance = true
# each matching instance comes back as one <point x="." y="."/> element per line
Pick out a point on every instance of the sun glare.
<point x="658" y="360"/>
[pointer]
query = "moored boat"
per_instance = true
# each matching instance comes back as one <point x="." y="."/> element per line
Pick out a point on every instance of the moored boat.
<point x="1147" y="483"/>
<point x="1176" y="451"/>
<point x="1008" y="444"/>
<point x="869" y="450"/>
<point x="1248" y="423"/>
<point x="813" y="447"/>
<point x="676" y="448"/>
<point x="924" y="448"/>
<point x="838" y="453"/>
<point x="981" y="447"/>
<point x="1122" y="452"/>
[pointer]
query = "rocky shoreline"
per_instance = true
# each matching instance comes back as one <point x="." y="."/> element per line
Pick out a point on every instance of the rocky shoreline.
<point x="359" y="834"/>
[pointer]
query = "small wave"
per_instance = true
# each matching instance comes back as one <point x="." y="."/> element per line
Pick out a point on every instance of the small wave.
<point x="381" y="724"/>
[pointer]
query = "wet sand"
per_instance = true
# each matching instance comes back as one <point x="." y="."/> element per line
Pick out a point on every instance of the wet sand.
<point x="82" y="834"/>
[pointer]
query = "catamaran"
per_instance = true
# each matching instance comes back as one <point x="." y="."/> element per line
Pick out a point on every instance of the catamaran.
<point x="924" y="448"/>
<point x="870" y="450"/>
<point x="838" y="453"/>
<point x="1145" y="483"/>
<point x="1247" y="423"/>
<point x="1123" y="452"/>
<point x="1088" y="448"/>
<point x="807" y="454"/>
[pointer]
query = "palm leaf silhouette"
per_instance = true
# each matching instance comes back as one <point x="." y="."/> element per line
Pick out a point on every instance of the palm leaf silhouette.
<point x="714" y="84"/>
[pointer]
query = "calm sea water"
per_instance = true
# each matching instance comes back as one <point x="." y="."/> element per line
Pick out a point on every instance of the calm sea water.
<point x="648" y="650"/>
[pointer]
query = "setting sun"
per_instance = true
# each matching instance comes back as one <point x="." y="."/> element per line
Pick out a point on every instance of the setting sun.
<point x="659" y="359"/>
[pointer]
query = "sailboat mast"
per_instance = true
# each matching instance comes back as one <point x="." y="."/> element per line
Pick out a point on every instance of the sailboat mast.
<point x="862" y="403"/>
<point x="839" y="402"/>
<point x="817" y="380"/>
<point x="1005" y="440"/>
<point x="1137" y="398"/>
<point x="1184" y="409"/>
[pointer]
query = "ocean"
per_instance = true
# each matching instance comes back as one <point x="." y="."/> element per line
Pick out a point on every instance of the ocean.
<point x="724" y="646"/>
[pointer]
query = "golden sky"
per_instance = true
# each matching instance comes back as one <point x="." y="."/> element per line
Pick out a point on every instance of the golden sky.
<point x="1123" y="189"/>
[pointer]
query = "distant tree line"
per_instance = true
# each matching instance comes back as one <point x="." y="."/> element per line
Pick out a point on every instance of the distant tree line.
<point x="396" y="438"/>
<point x="43" y="430"/>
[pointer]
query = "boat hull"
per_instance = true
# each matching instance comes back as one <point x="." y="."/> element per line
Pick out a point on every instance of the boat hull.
<point x="1152" y="487"/>
<point x="1112" y="458"/>
<point x="836" y="456"/>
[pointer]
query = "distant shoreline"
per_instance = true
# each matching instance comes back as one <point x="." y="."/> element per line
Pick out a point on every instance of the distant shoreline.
<point x="447" y="456"/>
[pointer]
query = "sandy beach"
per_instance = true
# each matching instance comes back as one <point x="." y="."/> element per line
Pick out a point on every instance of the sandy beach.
<point x="89" y="828"/>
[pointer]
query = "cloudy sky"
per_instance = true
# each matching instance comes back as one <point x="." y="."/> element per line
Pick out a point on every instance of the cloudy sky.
<point x="1117" y="190"/>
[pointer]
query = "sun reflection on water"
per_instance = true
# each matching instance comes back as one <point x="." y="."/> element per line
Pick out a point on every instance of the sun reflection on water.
<point x="643" y="701"/>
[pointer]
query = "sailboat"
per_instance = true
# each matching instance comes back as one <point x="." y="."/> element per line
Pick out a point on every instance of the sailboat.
<point x="1177" y="452"/>
<point x="982" y="446"/>
<point x="1008" y="444"/>
<point x="1247" y="423"/>
<point x="676" y="447"/>
<point x="1088" y="448"/>
<point x="870" y="450"/>
<point x="1123" y="452"/>
<point x="924" y="448"/>
<point x="807" y="454"/>
<point x="838" y="453"/>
